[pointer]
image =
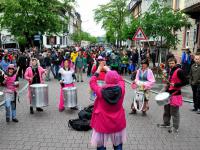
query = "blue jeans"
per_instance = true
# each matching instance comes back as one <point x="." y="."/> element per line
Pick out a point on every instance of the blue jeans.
<point x="10" y="105"/>
<point x="56" y="68"/>
<point x="118" y="147"/>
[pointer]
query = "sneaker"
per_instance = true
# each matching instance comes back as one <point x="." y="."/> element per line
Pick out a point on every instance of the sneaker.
<point x="198" y="111"/>
<point x="7" y="119"/>
<point x="133" y="112"/>
<point x="74" y="108"/>
<point x="173" y="130"/>
<point x="61" y="110"/>
<point x="194" y="109"/>
<point x="39" y="109"/>
<point x="81" y="80"/>
<point x="77" y="80"/>
<point x="163" y="125"/>
<point x="15" y="120"/>
<point x="144" y="113"/>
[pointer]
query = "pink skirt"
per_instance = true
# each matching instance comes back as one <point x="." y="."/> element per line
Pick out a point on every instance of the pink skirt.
<point x="102" y="139"/>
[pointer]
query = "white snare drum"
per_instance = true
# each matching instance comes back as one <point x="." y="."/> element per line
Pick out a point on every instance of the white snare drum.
<point x="162" y="98"/>
<point x="138" y="100"/>
<point x="139" y="96"/>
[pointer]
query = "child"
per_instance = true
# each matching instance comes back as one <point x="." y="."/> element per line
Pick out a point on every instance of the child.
<point x="11" y="83"/>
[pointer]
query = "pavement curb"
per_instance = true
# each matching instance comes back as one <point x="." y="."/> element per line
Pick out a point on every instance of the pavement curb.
<point x="156" y="92"/>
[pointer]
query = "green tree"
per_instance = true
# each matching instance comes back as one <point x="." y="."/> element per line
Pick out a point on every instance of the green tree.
<point x="25" y="18"/>
<point x="112" y="16"/>
<point x="79" y="36"/>
<point x="162" y="22"/>
<point x="129" y="28"/>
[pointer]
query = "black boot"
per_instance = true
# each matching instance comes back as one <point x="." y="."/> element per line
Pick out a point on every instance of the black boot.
<point x="15" y="120"/>
<point x="31" y="110"/>
<point x="7" y="119"/>
<point x="39" y="109"/>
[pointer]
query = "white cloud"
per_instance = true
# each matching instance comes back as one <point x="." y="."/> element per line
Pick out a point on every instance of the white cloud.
<point x="85" y="8"/>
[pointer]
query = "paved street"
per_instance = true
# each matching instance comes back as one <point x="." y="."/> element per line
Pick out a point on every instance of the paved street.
<point x="49" y="130"/>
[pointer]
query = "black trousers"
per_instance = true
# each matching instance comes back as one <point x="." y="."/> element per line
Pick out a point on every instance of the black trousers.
<point x="196" y="96"/>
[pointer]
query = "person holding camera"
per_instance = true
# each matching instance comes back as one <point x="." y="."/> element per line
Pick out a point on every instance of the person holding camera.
<point x="108" y="118"/>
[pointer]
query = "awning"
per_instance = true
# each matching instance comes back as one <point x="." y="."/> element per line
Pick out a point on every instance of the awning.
<point x="193" y="11"/>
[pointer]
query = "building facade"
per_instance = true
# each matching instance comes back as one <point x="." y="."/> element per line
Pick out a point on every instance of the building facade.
<point x="189" y="37"/>
<point x="64" y="39"/>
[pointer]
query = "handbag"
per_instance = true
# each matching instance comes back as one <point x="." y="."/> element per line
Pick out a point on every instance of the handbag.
<point x="79" y="124"/>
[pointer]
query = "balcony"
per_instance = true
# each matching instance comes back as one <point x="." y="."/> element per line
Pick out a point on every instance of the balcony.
<point x="192" y="8"/>
<point x="133" y="4"/>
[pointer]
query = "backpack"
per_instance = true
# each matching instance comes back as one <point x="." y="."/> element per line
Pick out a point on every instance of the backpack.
<point x="86" y="113"/>
<point x="79" y="124"/>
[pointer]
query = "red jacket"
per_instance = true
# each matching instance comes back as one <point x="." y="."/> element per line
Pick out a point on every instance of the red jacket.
<point x="101" y="74"/>
<point x="107" y="118"/>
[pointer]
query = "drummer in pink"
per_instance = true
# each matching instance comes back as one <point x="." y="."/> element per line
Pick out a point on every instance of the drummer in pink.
<point x="145" y="81"/>
<point x="34" y="74"/>
<point x="67" y="76"/>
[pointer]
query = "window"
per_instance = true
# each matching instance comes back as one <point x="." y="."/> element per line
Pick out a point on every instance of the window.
<point x="195" y="36"/>
<point x="187" y="39"/>
<point x="61" y="40"/>
<point x="51" y="40"/>
<point x="177" y="4"/>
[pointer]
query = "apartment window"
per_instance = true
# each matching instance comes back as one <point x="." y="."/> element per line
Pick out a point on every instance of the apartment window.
<point x="64" y="41"/>
<point x="61" y="40"/>
<point x="177" y="4"/>
<point x="195" y="36"/>
<point x="51" y="40"/>
<point x="187" y="39"/>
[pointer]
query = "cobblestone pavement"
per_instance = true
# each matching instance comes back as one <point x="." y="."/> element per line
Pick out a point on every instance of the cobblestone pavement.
<point x="49" y="130"/>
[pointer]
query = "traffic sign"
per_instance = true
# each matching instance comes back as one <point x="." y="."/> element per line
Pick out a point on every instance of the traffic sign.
<point x="139" y="35"/>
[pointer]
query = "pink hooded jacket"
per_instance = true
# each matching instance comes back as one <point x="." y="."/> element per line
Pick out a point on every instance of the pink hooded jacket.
<point x="106" y="117"/>
<point x="29" y="74"/>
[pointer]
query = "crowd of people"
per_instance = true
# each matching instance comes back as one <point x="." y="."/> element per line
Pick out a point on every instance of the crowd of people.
<point x="68" y="65"/>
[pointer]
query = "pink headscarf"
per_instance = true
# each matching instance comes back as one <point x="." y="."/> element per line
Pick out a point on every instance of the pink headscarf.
<point x="112" y="77"/>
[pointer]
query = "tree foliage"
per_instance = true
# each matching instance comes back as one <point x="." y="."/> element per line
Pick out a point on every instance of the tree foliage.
<point x="79" y="36"/>
<point x="25" y="18"/>
<point x="162" y="21"/>
<point x="129" y="28"/>
<point x="112" y="16"/>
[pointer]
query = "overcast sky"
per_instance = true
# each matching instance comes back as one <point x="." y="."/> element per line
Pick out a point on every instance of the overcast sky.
<point x="85" y="8"/>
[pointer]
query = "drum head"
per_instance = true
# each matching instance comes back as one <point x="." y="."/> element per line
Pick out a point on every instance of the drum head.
<point x="1" y="93"/>
<point x="69" y="88"/>
<point x="162" y="96"/>
<point x="38" y="85"/>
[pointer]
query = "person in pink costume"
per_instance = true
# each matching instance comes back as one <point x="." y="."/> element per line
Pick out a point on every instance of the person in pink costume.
<point x="177" y="79"/>
<point x="144" y="81"/>
<point x="100" y="60"/>
<point x="67" y="77"/>
<point x="11" y="84"/>
<point x="34" y="75"/>
<point x="108" y="117"/>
